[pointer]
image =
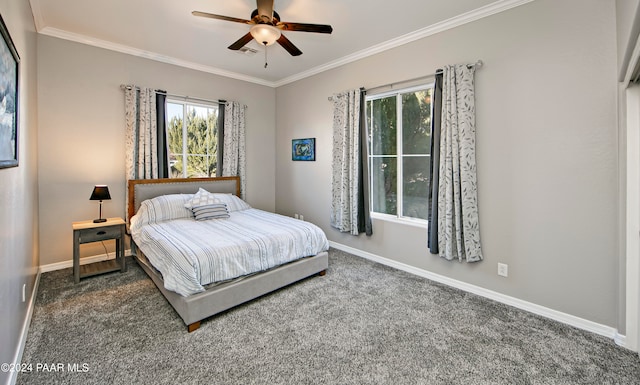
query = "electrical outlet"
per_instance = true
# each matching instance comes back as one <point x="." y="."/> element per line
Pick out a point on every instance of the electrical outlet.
<point x="24" y="292"/>
<point x="296" y="216"/>
<point x="301" y="217"/>
<point x="503" y="269"/>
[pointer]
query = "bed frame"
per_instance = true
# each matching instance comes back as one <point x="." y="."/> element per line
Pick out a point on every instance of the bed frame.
<point x="196" y="307"/>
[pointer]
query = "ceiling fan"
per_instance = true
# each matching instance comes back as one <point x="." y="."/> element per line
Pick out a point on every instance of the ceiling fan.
<point x="266" y="27"/>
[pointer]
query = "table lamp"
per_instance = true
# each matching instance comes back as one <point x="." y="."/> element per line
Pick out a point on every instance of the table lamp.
<point x="100" y="193"/>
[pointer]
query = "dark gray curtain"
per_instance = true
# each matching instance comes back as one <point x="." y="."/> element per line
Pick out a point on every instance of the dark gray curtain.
<point x="220" y="149"/>
<point x="432" y="239"/>
<point x="161" y="144"/>
<point x="364" y="212"/>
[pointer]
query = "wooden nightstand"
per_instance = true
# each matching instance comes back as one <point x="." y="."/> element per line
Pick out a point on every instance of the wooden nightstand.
<point x="87" y="232"/>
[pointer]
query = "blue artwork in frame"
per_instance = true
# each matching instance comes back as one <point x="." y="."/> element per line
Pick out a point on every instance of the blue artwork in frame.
<point x="303" y="149"/>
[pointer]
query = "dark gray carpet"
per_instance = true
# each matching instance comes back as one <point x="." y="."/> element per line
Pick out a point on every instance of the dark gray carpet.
<point x="362" y="323"/>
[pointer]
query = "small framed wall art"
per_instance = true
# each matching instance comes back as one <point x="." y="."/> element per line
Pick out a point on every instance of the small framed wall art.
<point x="303" y="149"/>
<point x="9" y="61"/>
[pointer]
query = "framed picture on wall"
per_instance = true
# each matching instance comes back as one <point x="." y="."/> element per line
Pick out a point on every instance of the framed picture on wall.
<point x="303" y="149"/>
<point x="9" y="61"/>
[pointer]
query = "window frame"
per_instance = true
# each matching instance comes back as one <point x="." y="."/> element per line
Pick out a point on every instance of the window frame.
<point x="185" y="104"/>
<point x="399" y="156"/>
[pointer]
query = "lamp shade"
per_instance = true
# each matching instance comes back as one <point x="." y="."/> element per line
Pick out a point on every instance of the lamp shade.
<point x="265" y="34"/>
<point x="100" y="193"/>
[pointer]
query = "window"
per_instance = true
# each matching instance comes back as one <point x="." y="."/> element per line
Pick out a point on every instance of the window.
<point x="399" y="148"/>
<point x="192" y="134"/>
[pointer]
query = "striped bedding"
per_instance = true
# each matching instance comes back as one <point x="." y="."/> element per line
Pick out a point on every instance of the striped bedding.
<point x="191" y="254"/>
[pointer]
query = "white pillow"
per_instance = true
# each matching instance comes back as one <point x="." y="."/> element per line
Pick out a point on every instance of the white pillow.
<point x="202" y="197"/>
<point x="162" y="208"/>
<point x="233" y="202"/>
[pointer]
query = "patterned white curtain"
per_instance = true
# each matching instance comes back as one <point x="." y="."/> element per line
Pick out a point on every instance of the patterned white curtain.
<point x="141" y="157"/>
<point x="458" y="225"/>
<point x="234" y="157"/>
<point x="345" y="166"/>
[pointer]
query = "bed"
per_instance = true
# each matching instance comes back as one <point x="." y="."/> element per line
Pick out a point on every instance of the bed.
<point x="205" y="292"/>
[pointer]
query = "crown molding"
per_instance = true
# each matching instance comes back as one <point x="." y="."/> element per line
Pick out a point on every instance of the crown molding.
<point x="37" y="15"/>
<point x="83" y="39"/>
<point x="456" y="21"/>
<point x="468" y="17"/>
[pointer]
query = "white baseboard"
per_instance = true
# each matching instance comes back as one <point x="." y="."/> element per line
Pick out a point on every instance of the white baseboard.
<point x="621" y="340"/>
<point x="555" y="315"/>
<point x="83" y="261"/>
<point x="13" y="376"/>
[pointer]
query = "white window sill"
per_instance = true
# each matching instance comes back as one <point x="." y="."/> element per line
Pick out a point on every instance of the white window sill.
<point x="403" y="221"/>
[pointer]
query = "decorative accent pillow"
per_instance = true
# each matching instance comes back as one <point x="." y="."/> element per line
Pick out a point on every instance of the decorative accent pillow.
<point x="162" y="208"/>
<point x="233" y="202"/>
<point x="210" y="211"/>
<point x="202" y="197"/>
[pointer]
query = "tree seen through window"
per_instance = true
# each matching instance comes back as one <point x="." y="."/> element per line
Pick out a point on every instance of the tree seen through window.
<point x="399" y="149"/>
<point x="192" y="133"/>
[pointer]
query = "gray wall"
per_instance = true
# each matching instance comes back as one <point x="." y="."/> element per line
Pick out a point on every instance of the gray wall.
<point x="19" y="191"/>
<point x="546" y="150"/>
<point x="82" y="131"/>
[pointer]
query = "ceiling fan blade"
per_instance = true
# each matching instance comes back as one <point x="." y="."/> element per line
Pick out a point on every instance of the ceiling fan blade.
<point x="220" y="17"/>
<point x="288" y="45"/>
<point x="265" y="9"/>
<point x="317" y="28"/>
<point x="241" y="42"/>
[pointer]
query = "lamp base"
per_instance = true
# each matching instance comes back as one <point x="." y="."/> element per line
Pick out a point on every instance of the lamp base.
<point x="99" y="220"/>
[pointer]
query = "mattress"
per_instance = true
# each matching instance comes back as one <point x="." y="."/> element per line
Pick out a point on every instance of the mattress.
<point x="191" y="254"/>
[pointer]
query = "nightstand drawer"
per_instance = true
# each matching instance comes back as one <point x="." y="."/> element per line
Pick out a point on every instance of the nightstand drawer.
<point x="99" y="234"/>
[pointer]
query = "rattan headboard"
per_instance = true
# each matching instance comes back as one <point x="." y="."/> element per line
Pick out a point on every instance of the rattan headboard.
<point x="142" y="189"/>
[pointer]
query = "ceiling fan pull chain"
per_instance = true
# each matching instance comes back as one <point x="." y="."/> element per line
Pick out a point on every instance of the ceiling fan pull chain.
<point x="265" y="56"/>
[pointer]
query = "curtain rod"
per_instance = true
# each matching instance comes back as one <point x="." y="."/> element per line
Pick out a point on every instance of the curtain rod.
<point x="126" y="86"/>
<point x="477" y="64"/>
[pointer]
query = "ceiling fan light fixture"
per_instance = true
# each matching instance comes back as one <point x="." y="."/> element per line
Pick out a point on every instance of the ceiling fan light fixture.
<point x="265" y="34"/>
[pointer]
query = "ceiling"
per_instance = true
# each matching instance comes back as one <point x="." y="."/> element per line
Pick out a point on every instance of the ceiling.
<point x="165" y="30"/>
